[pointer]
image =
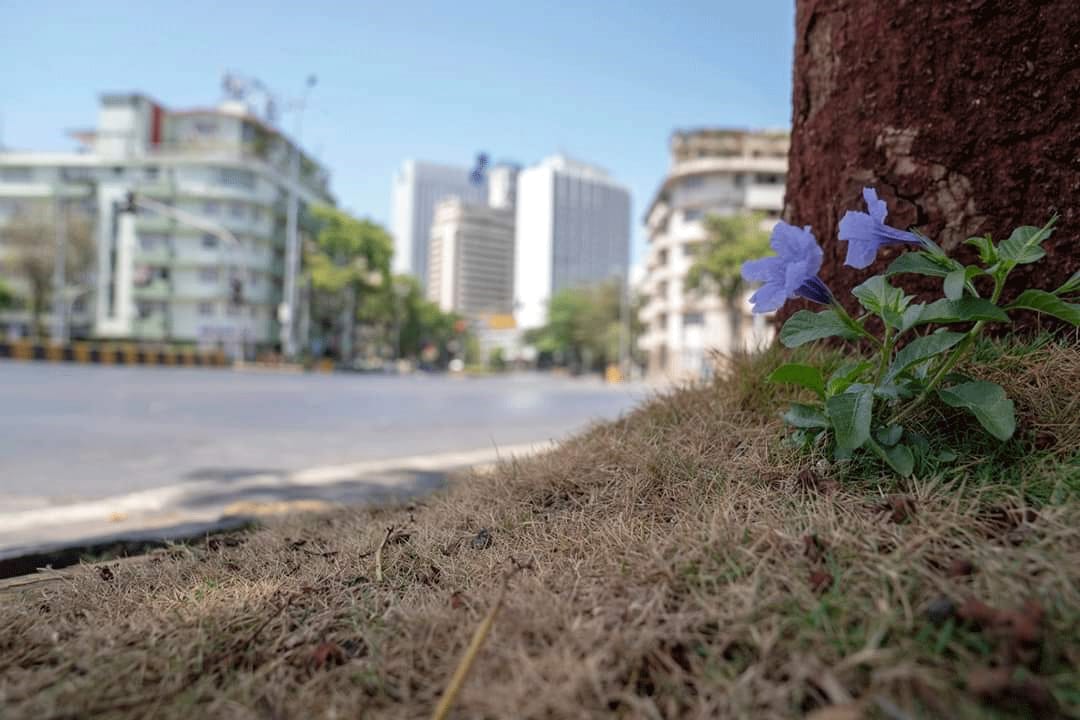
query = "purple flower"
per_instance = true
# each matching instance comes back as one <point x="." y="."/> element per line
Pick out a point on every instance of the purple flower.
<point x="791" y="273"/>
<point x="866" y="232"/>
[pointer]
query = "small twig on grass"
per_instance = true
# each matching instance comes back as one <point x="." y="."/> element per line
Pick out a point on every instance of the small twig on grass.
<point x="378" y="554"/>
<point x="465" y="664"/>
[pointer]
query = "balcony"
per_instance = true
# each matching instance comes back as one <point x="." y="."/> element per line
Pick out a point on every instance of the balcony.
<point x="153" y="327"/>
<point x="155" y="290"/>
<point x="153" y="256"/>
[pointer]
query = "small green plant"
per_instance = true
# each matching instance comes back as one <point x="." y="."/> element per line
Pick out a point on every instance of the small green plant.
<point x="862" y="406"/>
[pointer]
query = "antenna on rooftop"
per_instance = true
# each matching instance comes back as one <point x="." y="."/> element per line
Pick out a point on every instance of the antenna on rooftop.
<point x="246" y="89"/>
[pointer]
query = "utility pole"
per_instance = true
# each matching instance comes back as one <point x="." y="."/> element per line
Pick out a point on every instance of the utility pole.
<point x="59" y="305"/>
<point x="292" y="245"/>
<point x="624" y="324"/>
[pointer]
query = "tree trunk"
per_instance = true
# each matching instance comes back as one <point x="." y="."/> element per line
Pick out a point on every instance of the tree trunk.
<point x="964" y="115"/>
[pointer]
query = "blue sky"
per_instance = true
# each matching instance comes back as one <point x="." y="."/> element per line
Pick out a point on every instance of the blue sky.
<point x="606" y="83"/>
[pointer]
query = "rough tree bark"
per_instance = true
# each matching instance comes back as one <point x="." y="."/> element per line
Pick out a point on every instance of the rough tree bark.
<point x="965" y="115"/>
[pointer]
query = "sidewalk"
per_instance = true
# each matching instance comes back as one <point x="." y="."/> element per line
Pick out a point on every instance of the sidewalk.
<point x="201" y="506"/>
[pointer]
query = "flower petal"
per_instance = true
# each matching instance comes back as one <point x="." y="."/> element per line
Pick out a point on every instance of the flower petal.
<point x="790" y="242"/>
<point x="769" y="297"/>
<point x="877" y="208"/>
<point x="763" y="270"/>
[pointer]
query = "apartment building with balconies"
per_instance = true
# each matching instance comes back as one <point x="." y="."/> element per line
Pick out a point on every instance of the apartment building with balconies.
<point x="209" y="268"/>
<point x="712" y="172"/>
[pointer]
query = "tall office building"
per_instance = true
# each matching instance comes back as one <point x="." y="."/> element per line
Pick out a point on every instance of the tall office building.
<point x="159" y="276"/>
<point x="471" y="269"/>
<point x="573" y="228"/>
<point x="418" y="187"/>
<point x="719" y="172"/>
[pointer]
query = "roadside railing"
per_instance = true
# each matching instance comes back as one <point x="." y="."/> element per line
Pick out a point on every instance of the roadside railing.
<point x="110" y="353"/>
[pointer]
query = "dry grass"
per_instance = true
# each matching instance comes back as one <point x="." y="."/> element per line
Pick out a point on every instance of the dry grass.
<point x="680" y="563"/>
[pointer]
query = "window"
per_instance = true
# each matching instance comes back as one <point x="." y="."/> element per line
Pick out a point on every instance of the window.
<point x="208" y="275"/>
<point x="661" y="257"/>
<point x="693" y="318"/>
<point x="206" y="309"/>
<point x="768" y="179"/>
<point x="151" y="172"/>
<point x="254" y="311"/>
<point x="16" y="174"/>
<point x="205" y="128"/>
<point x="253" y="277"/>
<point x="75" y="174"/>
<point x="154" y="241"/>
<point x="692" y="214"/>
<point x="211" y="207"/>
<point x="232" y="310"/>
<point x="740" y="180"/>
<point x="209" y="241"/>
<point x="690" y="250"/>
<point x="236" y="209"/>
<point x="232" y="177"/>
<point x="694" y="181"/>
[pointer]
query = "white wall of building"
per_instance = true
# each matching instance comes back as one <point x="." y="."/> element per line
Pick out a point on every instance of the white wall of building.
<point x="573" y="228"/>
<point x="717" y="173"/>
<point x="417" y="188"/>
<point x="180" y="273"/>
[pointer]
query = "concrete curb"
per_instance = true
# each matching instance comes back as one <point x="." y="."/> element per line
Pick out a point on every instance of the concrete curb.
<point x="207" y="505"/>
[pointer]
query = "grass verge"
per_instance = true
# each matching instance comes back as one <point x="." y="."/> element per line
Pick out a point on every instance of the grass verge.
<point x="680" y="562"/>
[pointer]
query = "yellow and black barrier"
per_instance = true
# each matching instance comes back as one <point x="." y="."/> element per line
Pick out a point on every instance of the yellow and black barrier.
<point x="111" y="354"/>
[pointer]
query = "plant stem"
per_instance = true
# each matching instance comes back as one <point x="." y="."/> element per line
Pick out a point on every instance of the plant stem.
<point x="886" y="354"/>
<point x="854" y="324"/>
<point x="950" y="362"/>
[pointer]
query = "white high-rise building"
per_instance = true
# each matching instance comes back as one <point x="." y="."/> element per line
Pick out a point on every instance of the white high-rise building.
<point x="471" y="269"/>
<point x="572" y="228"/>
<point x="164" y="277"/>
<point x="418" y="187"/>
<point x="713" y="172"/>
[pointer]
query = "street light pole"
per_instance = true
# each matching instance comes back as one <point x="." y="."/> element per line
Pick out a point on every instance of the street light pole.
<point x="59" y="280"/>
<point x="292" y="245"/>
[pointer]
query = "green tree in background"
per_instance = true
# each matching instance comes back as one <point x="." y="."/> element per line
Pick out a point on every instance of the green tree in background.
<point x="7" y="298"/>
<point x="29" y="244"/>
<point x="732" y="240"/>
<point x="347" y="265"/>
<point x="583" y="327"/>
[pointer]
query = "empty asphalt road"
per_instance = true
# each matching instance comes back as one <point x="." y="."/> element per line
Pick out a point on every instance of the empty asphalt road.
<point x="71" y="433"/>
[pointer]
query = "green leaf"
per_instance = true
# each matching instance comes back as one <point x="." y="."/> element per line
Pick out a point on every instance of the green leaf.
<point x="846" y="374"/>
<point x="1047" y="303"/>
<point x="850" y="413"/>
<point x="922" y="263"/>
<point x="900" y="459"/>
<point x="921" y="349"/>
<point x="966" y="309"/>
<point x="797" y="374"/>
<point x="894" y="392"/>
<point x="881" y="298"/>
<point x="985" y="245"/>
<point x="946" y="455"/>
<point x="987" y="402"/>
<point x="954" y="284"/>
<point x="1070" y="286"/>
<point x="889" y="436"/>
<point x="1025" y="243"/>
<point x="806" y="416"/>
<point x="805" y="326"/>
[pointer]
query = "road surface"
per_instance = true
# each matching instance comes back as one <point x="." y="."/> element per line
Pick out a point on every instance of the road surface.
<point x="72" y="434"/>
